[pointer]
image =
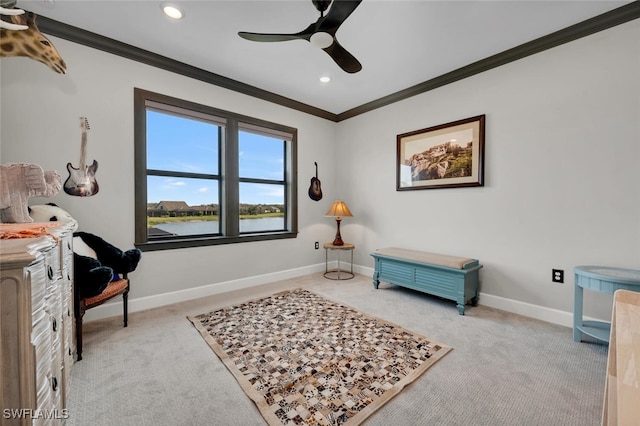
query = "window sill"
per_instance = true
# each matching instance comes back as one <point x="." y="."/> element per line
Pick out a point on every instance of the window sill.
<point x="211" y="241"/>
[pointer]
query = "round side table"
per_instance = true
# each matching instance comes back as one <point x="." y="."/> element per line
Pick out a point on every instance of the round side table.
<point x="603" y="279"/>
<point x="338" y="274"/>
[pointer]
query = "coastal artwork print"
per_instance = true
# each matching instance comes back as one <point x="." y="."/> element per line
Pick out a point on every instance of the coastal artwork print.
<point x="445" y="156"/>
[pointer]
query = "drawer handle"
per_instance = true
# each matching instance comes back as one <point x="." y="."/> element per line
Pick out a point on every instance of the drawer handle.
<point x="50" y="272"/>
<point x="55" y="324"/>
<point x="54" y="383"/>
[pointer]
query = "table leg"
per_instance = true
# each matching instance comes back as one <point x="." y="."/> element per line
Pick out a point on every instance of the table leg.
<point x="326" y="260"/>
<point x="577" y="313"/>
<point x="351" y="261"/>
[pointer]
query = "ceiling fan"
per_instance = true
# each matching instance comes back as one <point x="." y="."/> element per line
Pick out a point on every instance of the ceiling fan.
<point x="321" y="33"/>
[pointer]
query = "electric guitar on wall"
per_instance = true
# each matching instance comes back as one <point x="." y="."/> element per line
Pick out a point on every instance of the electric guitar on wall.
<point x="82" y="181"/>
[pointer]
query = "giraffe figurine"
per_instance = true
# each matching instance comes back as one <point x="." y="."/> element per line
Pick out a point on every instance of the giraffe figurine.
<point x="30" y="43"/>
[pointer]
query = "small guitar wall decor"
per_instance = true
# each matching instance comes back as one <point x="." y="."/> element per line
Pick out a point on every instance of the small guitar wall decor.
<point x="315" y="191"/>
<point x="82" y="181"/>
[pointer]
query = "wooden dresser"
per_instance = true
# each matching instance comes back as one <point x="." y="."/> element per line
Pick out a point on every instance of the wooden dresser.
<point x="36" y="327"/>
<point x="622" y="388"/>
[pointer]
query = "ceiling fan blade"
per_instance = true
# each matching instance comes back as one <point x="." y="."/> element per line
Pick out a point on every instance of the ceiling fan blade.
<point x="344" y="59"/>
<point x="268" y="37"/>
<point x="338" y="13"/>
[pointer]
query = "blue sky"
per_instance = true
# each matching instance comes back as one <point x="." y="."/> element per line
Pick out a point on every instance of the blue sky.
<point x="189" y="145"/>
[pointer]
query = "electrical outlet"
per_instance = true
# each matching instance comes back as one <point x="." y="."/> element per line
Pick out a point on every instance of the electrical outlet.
<point x="317" y="245"/>
<point x="557" y="275"/>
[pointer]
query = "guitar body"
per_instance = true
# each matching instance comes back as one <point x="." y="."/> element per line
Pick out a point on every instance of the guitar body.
<point x="315" y="189"/>
<point x="82" y="182"/>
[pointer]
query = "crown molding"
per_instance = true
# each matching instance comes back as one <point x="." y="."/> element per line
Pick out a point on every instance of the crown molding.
<point x="109" y="45"/>
<point x="598" y="23"/>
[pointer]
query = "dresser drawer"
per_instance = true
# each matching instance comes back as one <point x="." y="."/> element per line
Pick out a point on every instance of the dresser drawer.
<point x="66" y="257"/>
<point x="38" y="278"/>
<point x="52" y="265"/>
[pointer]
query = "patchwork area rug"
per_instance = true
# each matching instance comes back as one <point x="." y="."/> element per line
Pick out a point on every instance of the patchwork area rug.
<point x="307" y="360"/>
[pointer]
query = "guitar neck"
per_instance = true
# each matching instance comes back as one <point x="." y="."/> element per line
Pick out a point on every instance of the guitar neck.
<point x="83" y="150"/>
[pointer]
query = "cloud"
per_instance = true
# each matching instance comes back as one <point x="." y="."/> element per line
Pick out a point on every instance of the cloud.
<point x="274" y="192"/>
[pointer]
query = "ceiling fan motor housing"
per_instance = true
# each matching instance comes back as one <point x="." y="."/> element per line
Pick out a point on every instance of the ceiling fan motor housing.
<point x="321" y="5"/>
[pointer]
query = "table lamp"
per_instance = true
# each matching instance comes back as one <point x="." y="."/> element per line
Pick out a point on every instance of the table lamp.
<point x="338" y="210"/>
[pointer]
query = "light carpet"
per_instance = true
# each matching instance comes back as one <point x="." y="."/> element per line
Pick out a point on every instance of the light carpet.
<point x="304" y="359"/>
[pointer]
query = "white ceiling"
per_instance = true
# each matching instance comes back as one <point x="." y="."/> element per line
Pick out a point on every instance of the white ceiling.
<point x="399" y="43"/>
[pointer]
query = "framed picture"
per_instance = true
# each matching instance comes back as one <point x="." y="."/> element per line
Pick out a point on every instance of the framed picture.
<point x="446" y="156"/>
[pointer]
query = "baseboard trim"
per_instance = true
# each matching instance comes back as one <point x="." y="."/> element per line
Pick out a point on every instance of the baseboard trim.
<point x="542" y="313"/>
<point x="114" y="308"/>
<point x="107" y="310"/>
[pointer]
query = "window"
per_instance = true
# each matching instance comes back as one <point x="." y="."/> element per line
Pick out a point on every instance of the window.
<point x="206" y="176"/>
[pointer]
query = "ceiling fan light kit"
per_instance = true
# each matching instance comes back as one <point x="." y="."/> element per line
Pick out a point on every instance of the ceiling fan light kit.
<point x="321" y="40"/>
<point x="321" y="33"/>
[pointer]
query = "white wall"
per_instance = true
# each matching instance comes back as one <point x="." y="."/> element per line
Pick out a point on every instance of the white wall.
<point x="40" y="124"/>
<point x="562" y="179"/>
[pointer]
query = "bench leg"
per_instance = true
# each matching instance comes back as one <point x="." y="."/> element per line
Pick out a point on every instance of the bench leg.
<point x="376" y="281"/>
<point x="460" y="304"/>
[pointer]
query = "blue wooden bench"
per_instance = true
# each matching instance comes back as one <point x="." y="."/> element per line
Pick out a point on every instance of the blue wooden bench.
<point x="449" y="277"/>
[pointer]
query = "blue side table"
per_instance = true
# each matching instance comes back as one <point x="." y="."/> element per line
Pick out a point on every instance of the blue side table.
<point x="604" y="279"/>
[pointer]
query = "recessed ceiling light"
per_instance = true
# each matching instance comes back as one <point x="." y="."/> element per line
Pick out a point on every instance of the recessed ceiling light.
<point x="172" y="10"/>
<point x="325" y="79"/>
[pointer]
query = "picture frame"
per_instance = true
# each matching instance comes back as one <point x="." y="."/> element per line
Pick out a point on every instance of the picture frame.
<point x="449" y="155"/>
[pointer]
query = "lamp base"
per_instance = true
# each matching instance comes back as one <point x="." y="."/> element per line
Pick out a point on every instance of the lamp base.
<point x="338" y="240"/>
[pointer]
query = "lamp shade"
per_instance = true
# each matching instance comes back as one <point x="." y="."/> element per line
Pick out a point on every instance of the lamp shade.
<point x="339" y="209"/>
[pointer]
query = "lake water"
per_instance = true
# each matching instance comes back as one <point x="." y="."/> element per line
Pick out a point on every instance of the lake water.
<point x="211" y="227"/>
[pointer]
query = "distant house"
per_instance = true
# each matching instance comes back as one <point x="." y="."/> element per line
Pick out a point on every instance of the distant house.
<point x="169" y="208"/>
<point x="179" y="208"/>
<point x="206" y="210"/>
